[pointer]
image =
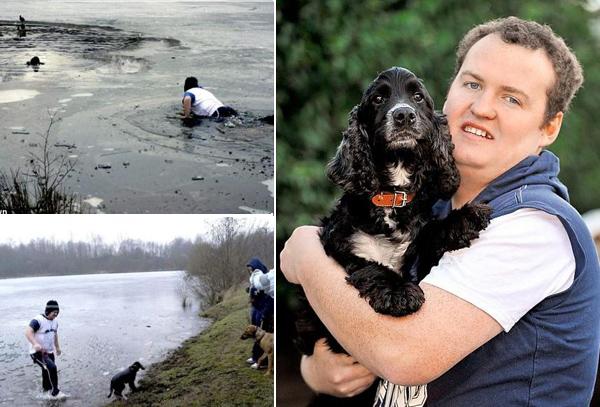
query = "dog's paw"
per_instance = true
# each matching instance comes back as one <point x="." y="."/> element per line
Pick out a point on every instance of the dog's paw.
<point x="464" y="225"/>
<point x="386" y="291"/>
<point x="403" y="300"/>
<point x="476" y="216"/>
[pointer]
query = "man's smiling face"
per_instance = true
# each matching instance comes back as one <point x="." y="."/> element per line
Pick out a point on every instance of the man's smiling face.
<point x="496" y="105"/>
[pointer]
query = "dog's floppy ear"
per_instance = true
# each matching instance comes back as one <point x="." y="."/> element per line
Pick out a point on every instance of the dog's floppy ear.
<point x="352" y="167"/>
<point x="442" y="147"/>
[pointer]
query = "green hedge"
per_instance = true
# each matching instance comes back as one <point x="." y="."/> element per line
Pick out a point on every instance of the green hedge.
<point x="328" y="51"/>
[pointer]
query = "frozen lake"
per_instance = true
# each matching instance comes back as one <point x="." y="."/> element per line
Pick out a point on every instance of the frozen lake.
<point x="106" y="322"/>
<point x="113" y="74"/>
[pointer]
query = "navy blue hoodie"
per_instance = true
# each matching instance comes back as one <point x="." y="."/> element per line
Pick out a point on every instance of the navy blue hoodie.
<point x="550" y="356"/>
<point x="256" y="264"/>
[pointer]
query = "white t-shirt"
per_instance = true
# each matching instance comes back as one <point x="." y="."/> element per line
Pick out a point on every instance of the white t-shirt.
<point x="519" y="260"/>
<point x="44" y="334"/>
<point x="264" y="282"/>
<point x="204" y="103"/>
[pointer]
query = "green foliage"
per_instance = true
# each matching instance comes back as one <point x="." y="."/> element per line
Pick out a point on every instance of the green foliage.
<point x="328" y="51"/>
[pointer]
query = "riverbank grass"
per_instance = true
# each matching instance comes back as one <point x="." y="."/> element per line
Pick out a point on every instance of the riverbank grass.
<point x="209" y="369"/>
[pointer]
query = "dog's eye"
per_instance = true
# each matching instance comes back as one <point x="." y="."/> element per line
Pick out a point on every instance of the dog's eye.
<point x="418" y="97"/>
<point x="378" y="100"/>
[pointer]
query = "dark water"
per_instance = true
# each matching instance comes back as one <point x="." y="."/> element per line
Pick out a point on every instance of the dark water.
<point x="82" y="46"/>
<point x="106" y="322"/>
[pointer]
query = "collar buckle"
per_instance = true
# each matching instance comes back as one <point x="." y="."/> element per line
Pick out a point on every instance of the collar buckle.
<point x="403" y="199"/>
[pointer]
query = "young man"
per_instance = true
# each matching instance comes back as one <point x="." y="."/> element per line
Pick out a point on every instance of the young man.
<point x="514" y="319"/>
<point x="198" y="102"/>
<point x="42" y="334"/>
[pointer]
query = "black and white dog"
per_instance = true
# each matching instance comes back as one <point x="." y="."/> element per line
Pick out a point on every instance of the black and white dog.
<point x="394" y="163"/>
<point x="126" y="376"/>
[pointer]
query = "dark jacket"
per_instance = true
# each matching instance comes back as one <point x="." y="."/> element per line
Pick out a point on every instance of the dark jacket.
<point x="550" y="356"/>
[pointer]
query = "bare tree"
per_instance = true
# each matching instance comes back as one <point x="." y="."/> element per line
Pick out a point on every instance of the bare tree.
<point x="219" y="262"/>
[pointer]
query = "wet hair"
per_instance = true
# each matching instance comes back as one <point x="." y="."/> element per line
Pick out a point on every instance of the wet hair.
<point x="190" y="82"/>
<point x="532" y="35"/>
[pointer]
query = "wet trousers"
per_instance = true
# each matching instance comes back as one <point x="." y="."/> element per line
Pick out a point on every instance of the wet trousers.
<point x="49" y="370"/>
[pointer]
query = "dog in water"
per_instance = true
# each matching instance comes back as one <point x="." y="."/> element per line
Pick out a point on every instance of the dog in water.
<point x="266" y="343"/>
<point x="35" y="61"/>
<point x="393" y="164"/>
<point x="127" y="376"/>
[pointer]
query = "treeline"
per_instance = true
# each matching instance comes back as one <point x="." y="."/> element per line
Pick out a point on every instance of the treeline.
<point x="218" y="262"/>
<point x="47" y="257"/>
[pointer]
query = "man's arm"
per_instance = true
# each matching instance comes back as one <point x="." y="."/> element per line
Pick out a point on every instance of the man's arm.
<point x="187" y="107"/>
<point x="410" y="350"/>
<point x="30" y="335"/>
<point x="56" y="345"/>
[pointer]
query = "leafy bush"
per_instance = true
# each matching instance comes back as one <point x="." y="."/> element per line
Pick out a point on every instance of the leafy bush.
<point x="328" y="51"/>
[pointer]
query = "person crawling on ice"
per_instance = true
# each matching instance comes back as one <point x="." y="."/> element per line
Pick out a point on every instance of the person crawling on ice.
<point x="198" y="103"/>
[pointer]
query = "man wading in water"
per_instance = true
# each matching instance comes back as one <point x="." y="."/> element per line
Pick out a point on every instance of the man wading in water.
<point x="42" y="334"/>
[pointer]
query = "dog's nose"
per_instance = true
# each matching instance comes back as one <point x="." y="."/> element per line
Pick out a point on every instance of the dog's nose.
<point x="404" y="116"/>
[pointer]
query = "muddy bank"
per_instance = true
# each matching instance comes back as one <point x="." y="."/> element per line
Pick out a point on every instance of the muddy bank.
<point x="117" y="93"/>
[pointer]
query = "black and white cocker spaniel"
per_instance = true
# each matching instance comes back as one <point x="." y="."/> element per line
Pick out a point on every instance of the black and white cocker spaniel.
<point x="394" y="163"/>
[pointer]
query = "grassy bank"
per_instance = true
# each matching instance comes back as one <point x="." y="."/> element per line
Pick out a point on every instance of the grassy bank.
<point x="209" y="369"/>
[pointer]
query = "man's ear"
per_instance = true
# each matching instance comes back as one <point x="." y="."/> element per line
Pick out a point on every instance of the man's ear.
<point x="551" y="129"/>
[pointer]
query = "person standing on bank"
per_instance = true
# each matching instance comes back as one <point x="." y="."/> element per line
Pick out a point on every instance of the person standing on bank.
<point x="513" y="320"/>
<point x="261" y="290"/>
<point x="199" y="102"/>
<point x="42" y="334"/>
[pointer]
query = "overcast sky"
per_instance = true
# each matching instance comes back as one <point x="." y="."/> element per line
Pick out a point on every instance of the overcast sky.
<point x="114" y="228"/>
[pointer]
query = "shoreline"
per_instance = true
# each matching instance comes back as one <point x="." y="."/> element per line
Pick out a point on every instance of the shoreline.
<point x="209" y="368"/>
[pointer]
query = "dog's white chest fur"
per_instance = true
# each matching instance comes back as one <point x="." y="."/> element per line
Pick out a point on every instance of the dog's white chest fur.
<point x="380" y="248"/>
<point x="399" y="176"/>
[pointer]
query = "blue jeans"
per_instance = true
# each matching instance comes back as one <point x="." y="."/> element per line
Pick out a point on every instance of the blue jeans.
<point x="256" y="315"/>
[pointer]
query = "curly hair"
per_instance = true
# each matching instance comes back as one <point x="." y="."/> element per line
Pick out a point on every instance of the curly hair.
<point x="532" y="35"/>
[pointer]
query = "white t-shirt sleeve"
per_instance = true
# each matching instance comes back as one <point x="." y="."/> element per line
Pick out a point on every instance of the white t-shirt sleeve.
<point x="520" y="259"/>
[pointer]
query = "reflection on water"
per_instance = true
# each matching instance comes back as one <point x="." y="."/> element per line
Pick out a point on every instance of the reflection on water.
<point x="106" y="322"/>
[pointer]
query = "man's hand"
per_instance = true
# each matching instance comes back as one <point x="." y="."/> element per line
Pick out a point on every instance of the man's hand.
<point x="58" y="351"/>
<point x="303" y="246"/>
<point x="335" y="374"/>
<point x="187" y="107"/>
<point x="37" y="347"/>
